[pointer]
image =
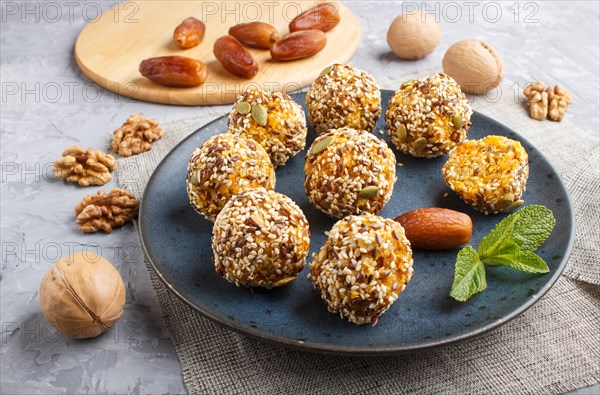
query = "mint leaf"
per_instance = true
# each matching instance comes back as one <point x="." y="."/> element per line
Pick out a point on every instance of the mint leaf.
<point x="509" y="254"/>
<point x="528" y="228"/>
<point x="511" y="243"/>
<point x="469" y="275"/>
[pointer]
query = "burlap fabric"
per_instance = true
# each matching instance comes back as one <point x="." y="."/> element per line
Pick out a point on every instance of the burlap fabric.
<point x="552" y="348"/>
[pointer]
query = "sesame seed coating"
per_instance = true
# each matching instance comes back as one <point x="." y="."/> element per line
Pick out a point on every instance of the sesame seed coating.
<point x="488" y="174"/>
<point x="343" y="96"/>
<point x="427" y="117"/>
<point x="284" y="134"/>
<point x="260" y="239"/>
<point x="363" y="267"/>
<point x="223" y="166"/>
<point x="354" y="174"/>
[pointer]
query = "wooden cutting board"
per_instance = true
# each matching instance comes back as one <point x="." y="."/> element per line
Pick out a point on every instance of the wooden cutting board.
<point x="110" y="48"/>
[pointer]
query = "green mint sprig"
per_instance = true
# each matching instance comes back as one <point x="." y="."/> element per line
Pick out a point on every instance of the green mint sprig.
<point x="511" y="243"/>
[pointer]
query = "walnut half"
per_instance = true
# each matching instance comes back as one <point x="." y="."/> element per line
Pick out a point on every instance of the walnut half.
<point x="86" y="168"/>
<point x="537" y="100"/>
<point x="103" y="212"/>
<point x="558" y="98"/>
<point x="550" y="102"/>
<point x="136" y="135"/>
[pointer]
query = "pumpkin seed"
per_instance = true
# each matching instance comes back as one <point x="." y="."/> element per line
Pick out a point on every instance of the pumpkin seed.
<point x="243" y="107"/>
<point x="369" y="192"/>
<point x="259" y="113"/>
<point x="402" y="133"/>
<point x="283" y="281"/>
<point x="506" y="201"/>
<point x="258" y="220"/>
<point x="326" y="70"/>
<point x="515" y="205"/>
<point x="320" y="145"/>
<point x="419" y="144"/>
<point x="408" y="84"/>
<point x="457" y="121"/>
<point x="195" y="180"/>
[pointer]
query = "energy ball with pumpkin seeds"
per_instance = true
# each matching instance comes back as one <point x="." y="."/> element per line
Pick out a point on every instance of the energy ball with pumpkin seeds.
<point x="489" y="174"/>
<point x="349" y="171"/>
<point x="343" y="96"/>
<point x="428" y="117"/>
<point x="272" y="119"/>
<point x="260" y="239"/>
<point x="223" y="166"/>
<point x="363" y="267"/>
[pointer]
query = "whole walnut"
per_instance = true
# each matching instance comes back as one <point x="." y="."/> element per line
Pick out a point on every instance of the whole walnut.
<point x="82" y="295"/>
<point x="414" y="36"/>
<point x="475" y="65"/>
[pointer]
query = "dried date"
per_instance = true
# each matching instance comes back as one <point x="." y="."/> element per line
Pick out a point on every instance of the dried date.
<point x="299" y="45"/>
<point x="324" y="17"/>
<point x="189" y="33"/>
<point x="176" y="71"/>
<point x="255" y="34"/>
<point x="234" y="57"/>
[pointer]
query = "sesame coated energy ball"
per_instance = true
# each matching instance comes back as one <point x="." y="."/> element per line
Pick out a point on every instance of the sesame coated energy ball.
<point x="363" y="267"/>
<point x="349" y="171"/>
<point x="223" y="166"/>
<point x="488" y="174"/>
<point x="260" y="239"/>
<point x="343" y="96"/>
<point x="428" y="117"/>
<point x="272" y="119"/>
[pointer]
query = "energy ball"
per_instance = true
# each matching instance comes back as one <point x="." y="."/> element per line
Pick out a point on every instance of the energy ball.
<point x="260" y="239"/>
<point x="428" y="117"/>
<point x="363" y="267"/>
<point x="223" y="166"/>
<point x="349" y="171"/>
<point x="272" y="119"/>
<point x="343" y="96"/>
<point x="488" y="174"/>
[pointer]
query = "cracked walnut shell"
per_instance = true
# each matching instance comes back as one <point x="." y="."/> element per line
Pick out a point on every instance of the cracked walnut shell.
<point x="103" y="212"/>
<point x="82" y="295"/>
<point x="86" y="168"/>
<point x="136" y="135"/>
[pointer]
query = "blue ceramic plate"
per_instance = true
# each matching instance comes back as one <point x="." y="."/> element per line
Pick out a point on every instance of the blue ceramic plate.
<point x="177" y="241"/>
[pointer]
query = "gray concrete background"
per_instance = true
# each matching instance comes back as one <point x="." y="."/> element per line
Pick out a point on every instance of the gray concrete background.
<point x="48" y="104"/>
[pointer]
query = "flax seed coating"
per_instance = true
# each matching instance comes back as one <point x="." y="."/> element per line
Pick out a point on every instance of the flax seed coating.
<point x="428" y="117"/>
<point x="488" y="174"/>
<point x="283" y="133"/>
<point x="363" y="267"/>
<point x="349" y="171"/>
<point x="260" y="239"/>
<point x="223" y="166"/>
<point x="343" y="96"/>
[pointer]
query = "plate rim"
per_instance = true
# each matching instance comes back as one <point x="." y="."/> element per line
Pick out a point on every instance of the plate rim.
<point x="364" y="351"/>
